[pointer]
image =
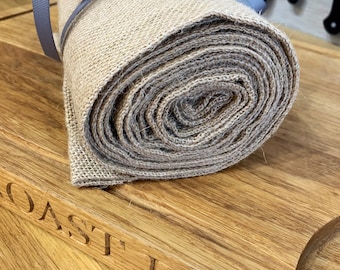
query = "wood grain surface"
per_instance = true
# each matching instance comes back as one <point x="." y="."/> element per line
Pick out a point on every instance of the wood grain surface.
<point x="259" y="214"/>
<point x="25" y="246"/>
<point x="13" y="8"/>
<point x="9" y="4"/>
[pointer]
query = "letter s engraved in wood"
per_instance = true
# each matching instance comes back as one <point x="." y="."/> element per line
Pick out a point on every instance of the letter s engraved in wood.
<point x="72" y="219"/>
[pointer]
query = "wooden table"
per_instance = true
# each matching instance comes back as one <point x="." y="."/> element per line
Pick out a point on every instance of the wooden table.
<point x="259" y="214"/>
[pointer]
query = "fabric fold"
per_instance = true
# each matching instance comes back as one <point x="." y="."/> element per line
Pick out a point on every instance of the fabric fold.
<point x="171" y="89"/>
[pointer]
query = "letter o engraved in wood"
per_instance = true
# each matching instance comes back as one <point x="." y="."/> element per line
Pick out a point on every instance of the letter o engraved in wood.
<point x="20" y="197"/>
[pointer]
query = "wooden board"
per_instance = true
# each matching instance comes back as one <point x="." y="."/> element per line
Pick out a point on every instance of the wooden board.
<point x="13" y="8"/>
<point x="12" y="4"/>
<point x="26" y="246"/>
<point x="259" y="214"/>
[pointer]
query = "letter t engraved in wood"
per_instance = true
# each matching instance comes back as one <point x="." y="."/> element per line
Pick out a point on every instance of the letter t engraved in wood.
<point x="107" y="240"/>
<point x="48" y="208"/>
<point x="152" y="263"/>
<point x="107" y="244"/>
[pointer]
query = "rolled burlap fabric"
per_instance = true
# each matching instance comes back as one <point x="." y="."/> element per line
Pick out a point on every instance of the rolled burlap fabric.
<point x="170" y="89"/>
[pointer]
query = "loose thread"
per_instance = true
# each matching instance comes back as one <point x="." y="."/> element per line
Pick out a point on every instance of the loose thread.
<point x="264" y="156"/>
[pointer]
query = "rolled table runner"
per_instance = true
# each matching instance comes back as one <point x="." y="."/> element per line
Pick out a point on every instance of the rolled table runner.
<point x="170" y="89"/>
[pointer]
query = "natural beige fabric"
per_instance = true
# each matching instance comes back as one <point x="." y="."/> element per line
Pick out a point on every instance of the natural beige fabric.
<point x="169" y="89"/>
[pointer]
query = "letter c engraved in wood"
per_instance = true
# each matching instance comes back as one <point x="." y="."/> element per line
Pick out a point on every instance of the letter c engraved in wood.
<point x="9" y="191"/>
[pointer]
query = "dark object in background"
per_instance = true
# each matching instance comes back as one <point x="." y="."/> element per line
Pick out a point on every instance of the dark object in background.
<point x="332" y="22"/>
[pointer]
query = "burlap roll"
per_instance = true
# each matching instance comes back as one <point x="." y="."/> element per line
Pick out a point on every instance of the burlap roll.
<point x="169" y="89"/>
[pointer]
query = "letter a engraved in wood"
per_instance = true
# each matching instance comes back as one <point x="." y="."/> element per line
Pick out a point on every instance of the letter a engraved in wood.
<point x="49" y="209"/>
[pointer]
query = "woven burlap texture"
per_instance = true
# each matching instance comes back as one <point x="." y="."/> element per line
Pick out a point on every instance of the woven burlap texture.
<point x="170" y="89"/>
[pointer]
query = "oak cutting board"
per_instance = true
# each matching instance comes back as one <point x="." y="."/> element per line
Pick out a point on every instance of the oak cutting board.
<point x="259" y="214"/>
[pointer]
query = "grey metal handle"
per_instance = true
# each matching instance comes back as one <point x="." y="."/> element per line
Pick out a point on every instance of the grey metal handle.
<point x="41" y="12"/>
<point x="80" y="8"/>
